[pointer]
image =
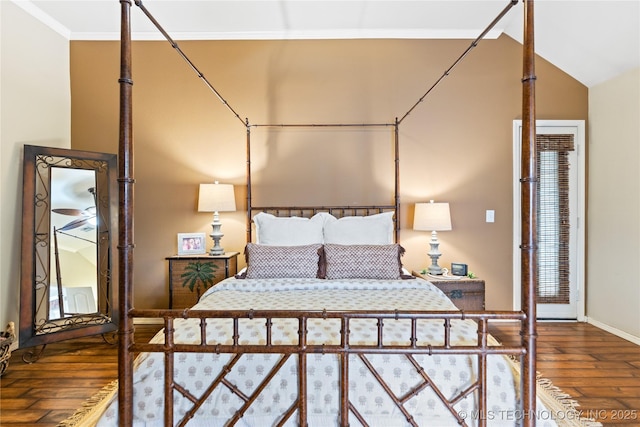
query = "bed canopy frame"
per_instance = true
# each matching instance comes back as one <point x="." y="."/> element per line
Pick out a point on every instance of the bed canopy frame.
<point x="127" y="313"/>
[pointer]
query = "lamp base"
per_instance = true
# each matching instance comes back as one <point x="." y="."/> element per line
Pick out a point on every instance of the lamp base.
<point x="214" y="251"/>
<point x="216" y="235"/>
<point x="435" y="270"/>
<point x="434" y="254"/>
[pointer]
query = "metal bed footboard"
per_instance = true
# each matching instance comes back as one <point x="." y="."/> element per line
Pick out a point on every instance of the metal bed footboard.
<point x="303" y="348"/>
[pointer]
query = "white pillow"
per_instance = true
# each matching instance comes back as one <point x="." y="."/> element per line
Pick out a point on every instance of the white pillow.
<point x="288" y="231"/>
<point x="360" y="230"/>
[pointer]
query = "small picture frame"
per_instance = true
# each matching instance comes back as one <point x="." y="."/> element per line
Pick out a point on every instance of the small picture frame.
<point x="191" y="244"/>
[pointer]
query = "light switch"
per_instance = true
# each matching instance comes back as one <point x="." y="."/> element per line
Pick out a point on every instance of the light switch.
<point x="491" y="215"/>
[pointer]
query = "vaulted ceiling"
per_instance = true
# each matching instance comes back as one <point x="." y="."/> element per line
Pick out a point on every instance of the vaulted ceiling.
<point x="592" y="40"/>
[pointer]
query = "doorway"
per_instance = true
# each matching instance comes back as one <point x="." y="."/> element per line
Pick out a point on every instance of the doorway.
<point x="560" y="218"/>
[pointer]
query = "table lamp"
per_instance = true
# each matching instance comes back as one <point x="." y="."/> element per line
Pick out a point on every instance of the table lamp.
<point x="216" y="198"/>
<point x="433" y="217"/>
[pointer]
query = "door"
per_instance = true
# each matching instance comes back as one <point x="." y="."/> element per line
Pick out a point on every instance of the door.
<point x="560" y="234"/>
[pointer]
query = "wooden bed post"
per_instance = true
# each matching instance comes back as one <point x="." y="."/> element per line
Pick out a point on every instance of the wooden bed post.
<point x="248" y="181"/>
<point x="125" y="223"/>
<point x="396" y="142"/>
<point x="529" y="181"/>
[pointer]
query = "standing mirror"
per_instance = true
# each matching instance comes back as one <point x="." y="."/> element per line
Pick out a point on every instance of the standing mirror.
<point x="69" y="211"/>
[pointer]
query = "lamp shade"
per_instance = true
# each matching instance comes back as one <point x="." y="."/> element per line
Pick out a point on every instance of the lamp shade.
<point x="216" y="198"/>
<point x="432" y="217"/>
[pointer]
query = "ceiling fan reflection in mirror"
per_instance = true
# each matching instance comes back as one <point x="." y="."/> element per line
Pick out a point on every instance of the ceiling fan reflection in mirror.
<point x="88" y="215"/>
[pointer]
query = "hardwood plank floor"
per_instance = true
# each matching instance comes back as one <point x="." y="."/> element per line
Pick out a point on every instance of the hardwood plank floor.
<point x="598" y="369"/>
<point x="68" y="373"/>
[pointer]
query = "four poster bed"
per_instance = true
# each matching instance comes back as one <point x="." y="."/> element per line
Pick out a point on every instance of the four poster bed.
<point x="324" y="327"/>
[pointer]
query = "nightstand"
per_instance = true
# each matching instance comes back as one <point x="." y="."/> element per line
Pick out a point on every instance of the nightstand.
<point x="191" y="275"/>
<point x="466" y="294"/>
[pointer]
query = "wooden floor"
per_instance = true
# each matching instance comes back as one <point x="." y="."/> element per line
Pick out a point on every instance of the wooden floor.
<point x="599" y="370"/>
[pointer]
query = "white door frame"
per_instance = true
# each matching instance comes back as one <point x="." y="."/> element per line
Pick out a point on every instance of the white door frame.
<point x="579" y="128"/>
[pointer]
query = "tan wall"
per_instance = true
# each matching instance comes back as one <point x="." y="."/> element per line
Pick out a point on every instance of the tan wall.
<point x="456" y="146"/>
<point x="35" y="109"/>
<point x="614" y="205"/>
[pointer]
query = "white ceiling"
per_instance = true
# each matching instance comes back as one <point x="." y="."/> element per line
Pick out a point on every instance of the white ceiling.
<point x="592" y="40"/>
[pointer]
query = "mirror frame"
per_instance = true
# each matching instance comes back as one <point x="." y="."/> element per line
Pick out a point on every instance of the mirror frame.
<point x="36" y="275"/>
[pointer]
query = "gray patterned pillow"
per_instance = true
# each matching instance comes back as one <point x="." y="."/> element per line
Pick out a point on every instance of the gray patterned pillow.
<point x="362" y="261"/>
<point x="269" y="262"/>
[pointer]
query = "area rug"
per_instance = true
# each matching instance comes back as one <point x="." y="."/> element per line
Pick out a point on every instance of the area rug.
<point x="91" y="410"/>
<point x="558" y="406"/>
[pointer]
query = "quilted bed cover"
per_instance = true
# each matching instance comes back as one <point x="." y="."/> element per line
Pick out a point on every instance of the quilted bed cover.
<point x="195" y="371"/>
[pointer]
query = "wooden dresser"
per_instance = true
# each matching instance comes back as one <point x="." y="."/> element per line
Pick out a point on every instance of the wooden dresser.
<point x="191" y="275"/>
<point x="466" y="294"/>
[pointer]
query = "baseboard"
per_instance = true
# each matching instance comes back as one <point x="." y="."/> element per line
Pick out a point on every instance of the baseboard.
<point x="614" y="331"/>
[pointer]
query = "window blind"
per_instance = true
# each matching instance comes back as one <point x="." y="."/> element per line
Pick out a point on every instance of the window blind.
<point x="553" y="218"/>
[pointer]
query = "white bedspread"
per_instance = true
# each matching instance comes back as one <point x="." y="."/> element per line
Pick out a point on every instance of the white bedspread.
<point x="195" y="371"/>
